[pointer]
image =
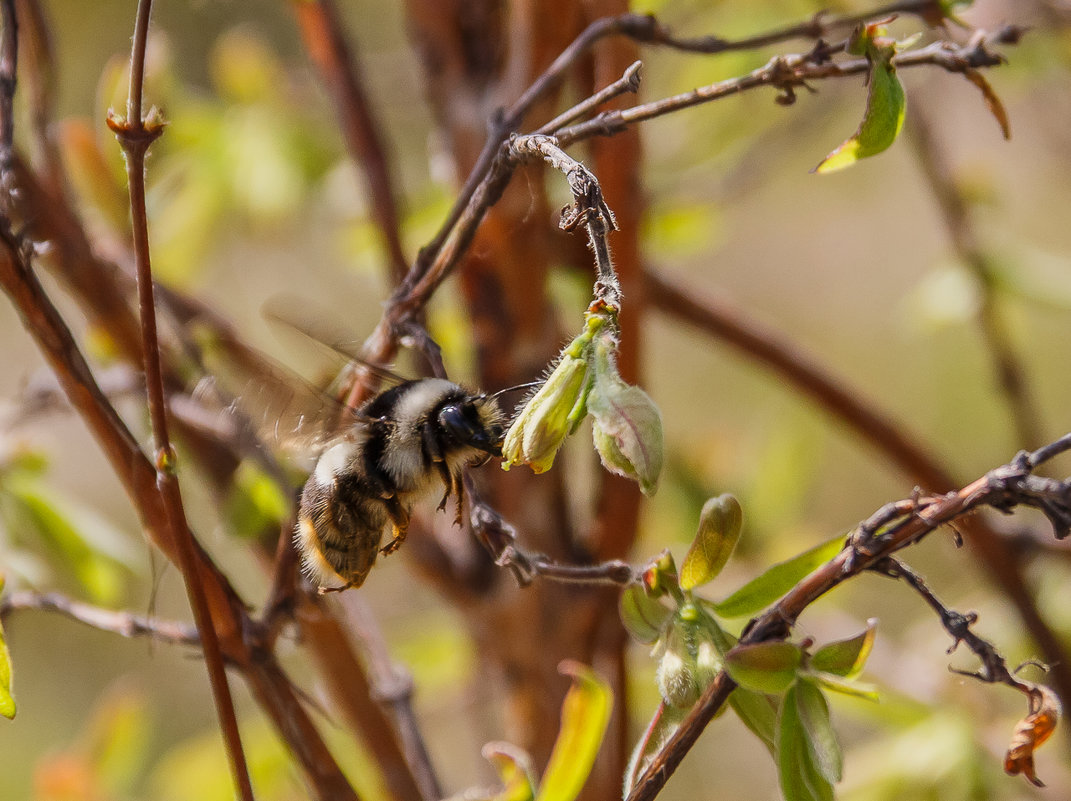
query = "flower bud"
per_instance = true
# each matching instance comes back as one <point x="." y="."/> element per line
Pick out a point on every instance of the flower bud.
<point x="552" y="413"/>
<point x="688" y="660"/>
<point x="627" y="426"/>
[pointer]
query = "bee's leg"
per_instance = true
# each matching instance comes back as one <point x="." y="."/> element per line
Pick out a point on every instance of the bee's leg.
<point x="325" y="590"/>
<point x="399" y="519"/>
<point x="434" y="453"/>
<point x="459" y="490"/>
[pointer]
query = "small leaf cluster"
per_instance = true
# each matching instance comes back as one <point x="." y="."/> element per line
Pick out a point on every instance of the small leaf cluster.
<point x="780" y="685"/>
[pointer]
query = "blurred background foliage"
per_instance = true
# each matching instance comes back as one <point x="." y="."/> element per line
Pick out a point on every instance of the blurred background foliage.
<point x="252" y="198"/>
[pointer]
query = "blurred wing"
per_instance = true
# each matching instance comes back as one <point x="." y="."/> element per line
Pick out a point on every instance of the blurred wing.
<point x="266" y="399"/>
<point x="334" y="339"/>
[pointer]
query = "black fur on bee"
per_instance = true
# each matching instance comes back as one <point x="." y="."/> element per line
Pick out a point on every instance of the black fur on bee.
<point x="407" y="439"/>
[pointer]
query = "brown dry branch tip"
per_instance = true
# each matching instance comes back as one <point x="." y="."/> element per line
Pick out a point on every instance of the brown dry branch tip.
<point x="892" y="528"/>
<point x="500" y="540"/>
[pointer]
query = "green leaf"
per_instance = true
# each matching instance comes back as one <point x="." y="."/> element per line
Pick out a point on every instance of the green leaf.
<point x="643" y="616"/>
<point x="814" y="716"/>
<point x="585" y="713"/>
<point x="7" y="700"/>
<point x="30" y="507"/>
<point x="846" y="657"/>
<point x="885" y="104"/>
<point x="799" y="777"/>
<point x="765" y="667"/>
<point x="837" y="684"/>
<point x="763" y="590"/>
<point x="719" y="531"/>
<point x="758" y="712"/>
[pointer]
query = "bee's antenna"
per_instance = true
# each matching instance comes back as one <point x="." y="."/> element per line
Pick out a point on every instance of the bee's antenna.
<point x="494" y="395"/>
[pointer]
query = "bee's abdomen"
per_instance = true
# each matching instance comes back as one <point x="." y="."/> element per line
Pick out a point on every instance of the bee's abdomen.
<point x="340" y="524"/>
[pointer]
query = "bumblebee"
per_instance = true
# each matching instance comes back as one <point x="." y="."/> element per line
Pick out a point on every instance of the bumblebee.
<point x="401" y="443"/>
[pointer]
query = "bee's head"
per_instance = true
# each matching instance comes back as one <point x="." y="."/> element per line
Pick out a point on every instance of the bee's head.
<point x="475" y="421"/>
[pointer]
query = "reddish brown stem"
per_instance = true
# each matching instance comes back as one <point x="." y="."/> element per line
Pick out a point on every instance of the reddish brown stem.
<point x="135" y="137"/>
<point x="321" y="30"/>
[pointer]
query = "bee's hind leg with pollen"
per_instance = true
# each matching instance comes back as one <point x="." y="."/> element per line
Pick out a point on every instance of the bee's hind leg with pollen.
<point x="399" y="518"/>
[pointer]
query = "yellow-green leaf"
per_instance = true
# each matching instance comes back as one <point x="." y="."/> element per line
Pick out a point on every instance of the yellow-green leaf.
<point x="846" y="657"/>
<point x="763" y="590"/>
<point x="7" y="700"/>
<point x="643" y="616"/>
<point x="882" y="120"/>
<point x="585" y="713"/>
<point x="799" y="777"/>
<point x="822" y="740"/>
<point x="719" y="531"/>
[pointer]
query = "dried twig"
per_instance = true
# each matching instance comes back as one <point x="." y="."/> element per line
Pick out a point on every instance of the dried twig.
<point x="125" y="624"/>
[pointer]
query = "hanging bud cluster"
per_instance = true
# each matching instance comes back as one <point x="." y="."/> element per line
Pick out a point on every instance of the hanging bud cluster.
<point x="626" y="424"/>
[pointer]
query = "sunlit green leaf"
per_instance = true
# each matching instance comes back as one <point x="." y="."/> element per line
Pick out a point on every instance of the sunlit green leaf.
<point x="585" y="713"/>
<point x="846" y="657"/>
<point x="719" y="530"/>
<point x="83" y="550"/>
<point x="885" y="103"/>
<point x="814" y="716"/>
<point x="799" y="777"/>
<point x="838" y="684"/>
<point x="643" y="616"/>
<point x="763" y="590"/>
<point x="765" y="667"/>
<point x="7" y="700"/>
<point x="255" y="502"/>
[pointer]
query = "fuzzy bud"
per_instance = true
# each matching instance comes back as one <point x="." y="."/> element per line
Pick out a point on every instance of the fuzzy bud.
<point x="627" y="426"/>
<point x="552" y="413"/>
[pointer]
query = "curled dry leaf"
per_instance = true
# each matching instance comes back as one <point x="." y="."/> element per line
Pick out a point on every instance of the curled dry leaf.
<point x="1031" y="732"/>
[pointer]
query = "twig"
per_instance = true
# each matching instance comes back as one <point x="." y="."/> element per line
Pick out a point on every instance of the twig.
<point x="135" y="137"/>
<point x="392" y="686"/>
<point x="720" y="319"/>
<point x="789" y="72"/>
<point x="1002" y="488"/>
<point x="963" y="232"/>
<point x="321" y="30"/>
<point x="499" y="538"/>
<point x="125" y="624"/>
<point x="629" y="82"/>
<point x="994" y="667"/>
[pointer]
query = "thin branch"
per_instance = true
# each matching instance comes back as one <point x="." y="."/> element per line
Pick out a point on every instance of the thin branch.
<point x="964" y="234"/>
<point x="392" y="687"/>
<point x="325" y="41"/>
<point x="1003" y="488"/>
<point x="135" y="137"/>
<point x="125" y="624"/>
<point x="719" y="318"/>
<point x="787" y="73"/>
<point x="958" y="626"/>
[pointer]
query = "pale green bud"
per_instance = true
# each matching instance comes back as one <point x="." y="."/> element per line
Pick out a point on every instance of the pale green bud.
<point x="627" y="426"/>
<point x="551" y="414"/>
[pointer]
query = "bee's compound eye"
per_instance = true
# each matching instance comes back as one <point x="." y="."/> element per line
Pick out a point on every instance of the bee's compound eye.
<point x="461" y="423"/>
